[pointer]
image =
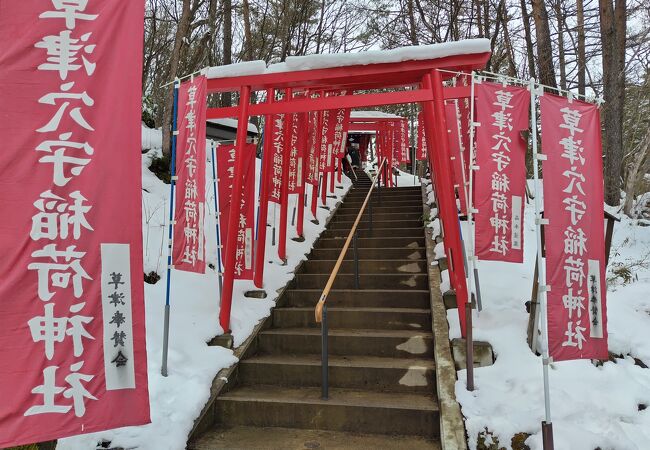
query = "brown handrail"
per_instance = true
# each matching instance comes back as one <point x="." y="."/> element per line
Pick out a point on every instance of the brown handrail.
<point x="328" y="286"/>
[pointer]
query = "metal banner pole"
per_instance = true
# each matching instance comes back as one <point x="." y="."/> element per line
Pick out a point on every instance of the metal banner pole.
<point x="473" y="259"/>
<point x="547" y="425"/>
<point x="216" y="214"/>
<point x="172" y="184"/>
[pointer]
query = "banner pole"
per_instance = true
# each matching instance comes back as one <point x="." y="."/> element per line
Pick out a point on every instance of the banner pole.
<point x="216" y="214"/>
<point x="172" y="183"/>
<point x="284" y="192"/>
<point x="263" y="211"/>
<point x="547" y="426"/>
<point x="473" y="259"/>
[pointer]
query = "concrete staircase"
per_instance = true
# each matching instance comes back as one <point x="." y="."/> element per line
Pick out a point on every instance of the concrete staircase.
<point x="381" y="369"/>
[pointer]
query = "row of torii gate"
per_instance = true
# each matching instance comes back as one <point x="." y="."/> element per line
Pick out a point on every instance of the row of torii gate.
<point x="419" y="81"/>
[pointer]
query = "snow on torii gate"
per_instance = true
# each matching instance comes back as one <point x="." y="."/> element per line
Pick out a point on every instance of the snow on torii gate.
<point x="422" y="68"/>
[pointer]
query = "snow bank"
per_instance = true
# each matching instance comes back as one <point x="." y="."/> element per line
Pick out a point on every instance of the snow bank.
<point x="177" y="400"/>
<point x="151" y="138"/>
<point x="592" y="406"/>
<point x="357" y="114"/>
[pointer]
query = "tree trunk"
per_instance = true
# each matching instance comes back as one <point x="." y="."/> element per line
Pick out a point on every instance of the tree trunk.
<point x="559" y="15"/>
<point x="613" y="28"/>
<point x="226" y="97"/>
<point x="181" y="34"/>
<point x="529" y="40"/>
<point x="582" y="59"/>
<point x="544" y="49"/>
<point x="248" y="36"/>
<point x="412" y="25"/>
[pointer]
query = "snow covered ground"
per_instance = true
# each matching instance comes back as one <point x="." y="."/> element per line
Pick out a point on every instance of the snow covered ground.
<point x="593" y="406"/>
<point x="177" y="400"/>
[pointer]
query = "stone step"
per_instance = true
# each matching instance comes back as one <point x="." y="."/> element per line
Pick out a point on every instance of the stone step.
<point x="345" y="410"/>
<point x="370" y="253"/>
<point x="366" y="281"/>
<point x="368" y="266"/>
<point x="388" y="242"/>
<point x="351" y="372"/>
<point x="376" y="232"/>
<point x="375" y="196"/>
<point x="386" y="343"/>
<point x="379" y="298"/>
<point x="355" y="318"/>
<point x="383" y="216"/>
<point x="364" y="223"/>
<point x="385" y="201"/>
<point x="397" y="209"/>
<point x="277" y="438"/>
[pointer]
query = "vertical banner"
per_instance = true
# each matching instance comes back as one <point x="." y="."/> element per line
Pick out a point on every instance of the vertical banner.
<point x="421" y="145"/>
<point x="296" y="154"/>
<point x="189" y="206"/>
<point x="404" y="142"/>
<point x="72" y="325"/>
<point x="453" y="131"/>
<point x="277" y="138"/>
<point x="327" y="141"/>
<point x="313" y="145"/>
<point x="573" y="205"/>
<point x="341" y="131"/>
<point x="500" y="191"/>
<point x="245" y="231"/>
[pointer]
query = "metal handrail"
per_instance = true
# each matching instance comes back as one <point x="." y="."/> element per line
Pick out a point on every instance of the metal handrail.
<point x="321" y="308"/>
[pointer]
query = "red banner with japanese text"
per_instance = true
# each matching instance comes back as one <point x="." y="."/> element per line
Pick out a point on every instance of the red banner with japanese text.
<point x="327" y="152"/>
<point x="341" y="132"/>
<point x="421" y="145"/>
<point x="404" y="142"/>
<point x="72" y="324"/>
<point x="573" y="205"/>
<point x="500" y="189"/>
<point x="189" y="239"/>
<point x="453" y="132"/>
<point x="226" y="155"/>
<point x="297" y="156"/>
<point x="277" y="147"/>
<point x="313" y="146"/>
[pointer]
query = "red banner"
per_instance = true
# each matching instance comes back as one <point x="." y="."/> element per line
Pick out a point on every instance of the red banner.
<point x="328" y="128"/>
<point x="72" y="325"/>
<point x="404" y="142"/>
<point x="341" y="132"/>
<point x="277" y="139"/>
<point x="246" y="223"/>
<point x="189" y="239"/>
<point x="500" y="190"/>
<point x="573" y="205"/>
<point x="453" y="131"/>
<point x="422" y="146"/>
<point x="296" y="154"/>
<point x="312" y="148"/>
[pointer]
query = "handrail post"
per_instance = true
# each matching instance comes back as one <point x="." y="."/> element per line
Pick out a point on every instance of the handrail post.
<point x="356" y="259"/>
<point x="324" y="356"/>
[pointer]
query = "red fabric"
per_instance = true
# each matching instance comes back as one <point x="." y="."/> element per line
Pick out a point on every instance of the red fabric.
<point x="464" y="110"/>
<point x="455" y="149"/>
<point x="68" y="223"/>
<point x="404" y="142"/>
<point x="575" y="250"/>
<point x="277" y="146"/>
<point x="422" y="146"/>
<point x="501" y="179"/>
<point x="296" y="155"/>
<point x="246" y="231"/>
<point x="341" y="131"/>
<point x="312" y="170"/>
<point x="189" y="237"/>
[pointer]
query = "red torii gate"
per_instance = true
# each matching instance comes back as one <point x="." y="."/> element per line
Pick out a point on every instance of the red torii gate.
<point x="423" y="79"/>
<point x="379" y="125"/>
